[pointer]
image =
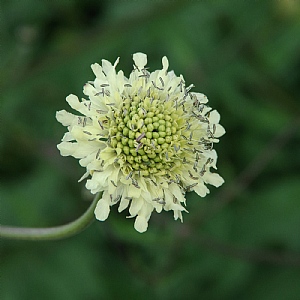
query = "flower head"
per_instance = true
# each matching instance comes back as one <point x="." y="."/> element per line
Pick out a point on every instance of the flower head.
<point x="145" y="140"/>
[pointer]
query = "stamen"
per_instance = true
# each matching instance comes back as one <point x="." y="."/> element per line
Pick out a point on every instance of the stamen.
<point x="140" y="137"/>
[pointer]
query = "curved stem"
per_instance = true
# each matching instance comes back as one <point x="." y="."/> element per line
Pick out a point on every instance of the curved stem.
<point x="52" y="233"/>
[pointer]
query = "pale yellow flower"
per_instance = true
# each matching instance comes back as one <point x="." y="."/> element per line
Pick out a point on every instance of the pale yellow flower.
<point x="145" y="140"/>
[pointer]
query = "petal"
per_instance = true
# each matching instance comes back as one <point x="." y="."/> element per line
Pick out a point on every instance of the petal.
<point x="213" y="178"/>
<point x="75" y="104"/>
<point x="89" y="90"/>
<point x="214" y="117"/>
<point x="77" y="150"/>
<point x="107" y="67"/>
<point x="178" y="215"/>
<point x="136" y="205"/>
<point x="66" y="148"/>
<point x="141" y="221"/>
<point x="67" y="137"/>
<point x="123" y="204"/>
<point x="140" y="60"/>
<point x="140" y="224"/>
<point x="165" y="63"/>
<point x="219" y="130"/>
<point x="134" y="192"/>
<point x="101" y="178"/>
<point x="102" y="209"/>
<point x="73" y="101"/>
<point x="201" y="189"/>
<point x="200" y="97"/>
<point x="86" y="160"/>
<point x="174" y="188"/>
<point x="64" y="117"/>
<point x="97" y="69"/>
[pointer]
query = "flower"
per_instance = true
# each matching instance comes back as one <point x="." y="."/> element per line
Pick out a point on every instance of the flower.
<point x="145" y="140"/>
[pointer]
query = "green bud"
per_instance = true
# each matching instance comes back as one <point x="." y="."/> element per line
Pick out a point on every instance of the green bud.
<point x="141" y="113"/>
<point x="155" y="125"/>
<point x="143" y="129"/>
<point x="165" y="146"/>
<point x="145" y="158"/>
<point x="124" y="141"/>
<point x="114" y="143"/>
<point x="113" y="130"/>
<point x="159" y="166"/>
<point x="145" y="173"/>
<point x="157" y="159"/>
<point x="153" y="170"/>
<point x="162" y="128"/>
<point x="155" y="135"/>
<point x="168" y="131"/>
<point x="160" y="140"/>
<point x="148" y="121"/>
<point x="121" y="126"/>
<point x="118" y="136"/>
<point x="158" y="149"/>
<point x="125" y="131"/>
<point x="168" y="139"/>
<point x="168" y="124"/>
<point x="175" y="137"/>
<point x="154" y="142"/>
<point x="136" y="166"/>
<point x="154" y="103"/>
<point x="140" y="123"/>
<point x="150" y="114"/>
<point x="133" y="152"/>
<point x="150" y="127"/>
<point x="126" y="150"/>
<point x="130" y="159"/>
<point x="152" y="163"/>
<point x="131" y="134"/>
<point x="118" y="120"/>
<point x="141" y="151"/>
<point x="151" y="155"/>
<point x="138" y="159"/>
<point x="135" y="117"/>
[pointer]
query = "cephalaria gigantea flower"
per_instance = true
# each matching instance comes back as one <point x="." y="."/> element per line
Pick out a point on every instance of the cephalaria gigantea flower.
<point x="145" y="140"/>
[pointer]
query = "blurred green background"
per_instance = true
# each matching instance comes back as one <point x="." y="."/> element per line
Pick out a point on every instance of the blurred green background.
<point x="240" y="242"/>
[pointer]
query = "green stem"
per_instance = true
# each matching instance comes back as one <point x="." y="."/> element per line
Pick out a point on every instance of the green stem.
<point x="52" y="233"/>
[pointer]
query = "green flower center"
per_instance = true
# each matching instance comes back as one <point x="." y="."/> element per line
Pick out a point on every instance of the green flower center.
<point x="146" y="134"/>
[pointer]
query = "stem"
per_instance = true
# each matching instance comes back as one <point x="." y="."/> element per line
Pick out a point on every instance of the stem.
<point x="52" y="233"/>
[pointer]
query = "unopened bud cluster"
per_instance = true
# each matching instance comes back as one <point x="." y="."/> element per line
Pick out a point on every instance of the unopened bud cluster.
<point x="146" y="132"/>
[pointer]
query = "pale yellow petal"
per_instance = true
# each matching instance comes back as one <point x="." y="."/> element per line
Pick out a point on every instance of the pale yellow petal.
<point x="140" y="60"/>
<point x="102" y="209"/>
